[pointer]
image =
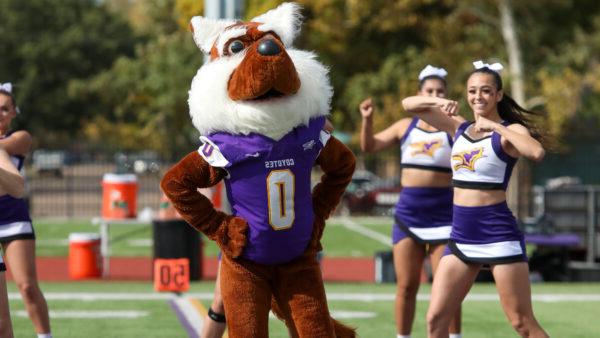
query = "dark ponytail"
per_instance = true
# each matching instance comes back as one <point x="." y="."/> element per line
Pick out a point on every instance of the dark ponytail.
<point x="510" y="111"/>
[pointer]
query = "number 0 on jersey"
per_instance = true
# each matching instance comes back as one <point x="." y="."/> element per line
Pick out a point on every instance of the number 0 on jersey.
<point x="280" y="191"/>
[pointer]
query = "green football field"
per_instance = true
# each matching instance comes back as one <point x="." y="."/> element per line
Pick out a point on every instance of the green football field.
<point x="131" y="309"/>
<point x="134" y="309"/>
<point x="136" y="239"/>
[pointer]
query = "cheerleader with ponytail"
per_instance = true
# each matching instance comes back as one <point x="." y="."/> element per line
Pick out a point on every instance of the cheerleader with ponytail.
<point x="484" y="231"/>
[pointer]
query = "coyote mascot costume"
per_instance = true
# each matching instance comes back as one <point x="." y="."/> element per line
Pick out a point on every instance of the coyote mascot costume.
<point x="261" y="107"/>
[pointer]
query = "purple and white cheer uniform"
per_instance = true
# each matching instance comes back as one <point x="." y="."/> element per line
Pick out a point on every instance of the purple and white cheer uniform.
<point x="268" y="184"/>
<point x="15" y="222"/>
<point x="423" y="213"/>
<point x="483" y="234"/>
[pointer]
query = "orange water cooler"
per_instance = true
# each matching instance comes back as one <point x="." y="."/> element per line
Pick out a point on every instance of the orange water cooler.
<point x="119" y="196"/>
<point x="85" y="260"/>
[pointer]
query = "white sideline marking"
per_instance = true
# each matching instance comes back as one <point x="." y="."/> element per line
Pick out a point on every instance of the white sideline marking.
<point x="476" y="297"/>
<point x="49" y="242"/>
<point x="341" y="314"/>
<point x="352" y="314"/>
<point x="374" y="220"/>
<point x="128" y="314"/>
<point x="116" y="296"/>
<point x="141" y="242"/>
<point x="363" y="297"/>
<point x="351" y="225"/>
<point x="193" y="317"/>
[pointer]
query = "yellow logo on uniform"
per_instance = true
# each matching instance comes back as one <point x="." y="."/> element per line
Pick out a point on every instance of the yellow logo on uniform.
<point x="467" y="159"/>
<point x="426" y="148"/>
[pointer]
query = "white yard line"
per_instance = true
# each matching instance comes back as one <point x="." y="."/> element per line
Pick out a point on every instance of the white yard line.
<point x="374" y="235"/>
<point x="374" y="220"/>
<point x="93" y="314"/>
<point x="193" y="317"/>
<point x="116" y="296"/>
<point x="481" y="297"/>
<point x="352" y="314"/>
<point x="342" y="314"/>
<point x="364" y="297"/>
<point x="140" y="242"/>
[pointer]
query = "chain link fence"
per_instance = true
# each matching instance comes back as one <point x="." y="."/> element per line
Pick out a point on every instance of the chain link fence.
<point x="69" y="185"/>
<point x="62" y="184"/>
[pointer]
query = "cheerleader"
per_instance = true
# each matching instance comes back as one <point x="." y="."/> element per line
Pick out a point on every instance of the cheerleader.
<point x="17" y="236"/>
<point x="11" y="184"/>
<point x="484" y="231"/>
<point x="423" y="215"/>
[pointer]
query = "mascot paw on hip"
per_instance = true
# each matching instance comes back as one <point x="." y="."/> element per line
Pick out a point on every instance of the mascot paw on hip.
<point x="261" y="108"/>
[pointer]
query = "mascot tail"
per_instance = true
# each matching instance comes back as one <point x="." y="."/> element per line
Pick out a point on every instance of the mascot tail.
<point x="341" y="330"/>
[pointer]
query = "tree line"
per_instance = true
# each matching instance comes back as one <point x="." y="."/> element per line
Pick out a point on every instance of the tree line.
<point x="115" y="74"/>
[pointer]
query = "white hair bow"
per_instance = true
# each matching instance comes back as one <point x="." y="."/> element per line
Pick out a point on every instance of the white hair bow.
<point x="496" y="67"/>
<point x="6" y="87"/>
<point x="432" y="71"/>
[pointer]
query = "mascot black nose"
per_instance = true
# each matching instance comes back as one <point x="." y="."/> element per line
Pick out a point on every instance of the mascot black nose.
<point x="268" y="47"/>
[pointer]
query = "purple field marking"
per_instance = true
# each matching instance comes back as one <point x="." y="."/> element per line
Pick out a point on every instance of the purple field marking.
<point x="183" y="320"/>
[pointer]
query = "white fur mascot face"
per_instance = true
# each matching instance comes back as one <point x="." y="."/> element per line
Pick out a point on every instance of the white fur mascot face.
<point x="255" y="82"/>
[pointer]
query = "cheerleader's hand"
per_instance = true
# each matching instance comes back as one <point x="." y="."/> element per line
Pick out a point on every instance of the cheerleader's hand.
<point x="483" y="125"/>
<point x="366" y="108"/>
<point x="449" y="107"/>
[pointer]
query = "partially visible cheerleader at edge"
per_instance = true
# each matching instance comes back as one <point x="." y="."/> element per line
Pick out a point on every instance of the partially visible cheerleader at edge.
<point x="17" y="236"/>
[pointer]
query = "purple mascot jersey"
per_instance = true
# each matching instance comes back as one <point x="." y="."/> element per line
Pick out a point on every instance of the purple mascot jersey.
<point x="269" y="185"/>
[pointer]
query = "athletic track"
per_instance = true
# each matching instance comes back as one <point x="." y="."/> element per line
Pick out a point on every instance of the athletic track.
<point x="140" y="269"/>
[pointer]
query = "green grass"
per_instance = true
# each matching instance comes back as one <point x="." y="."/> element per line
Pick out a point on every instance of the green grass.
<point x="340" y="242"/>
<point x="160" y="321"/>
<point x="136" y="239"/>
<point x="480" y="318"/>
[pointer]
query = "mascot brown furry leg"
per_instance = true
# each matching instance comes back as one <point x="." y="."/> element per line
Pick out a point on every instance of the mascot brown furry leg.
<point x="261" y="108"/>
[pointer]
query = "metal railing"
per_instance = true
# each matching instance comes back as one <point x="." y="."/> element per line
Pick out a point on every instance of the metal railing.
<point x="572" y="209"/>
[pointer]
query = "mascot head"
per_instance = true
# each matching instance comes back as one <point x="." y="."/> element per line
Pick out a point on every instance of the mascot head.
<point x="255" y="82"/>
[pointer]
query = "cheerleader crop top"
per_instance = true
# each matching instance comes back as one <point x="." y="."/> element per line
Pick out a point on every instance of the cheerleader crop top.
<point x="423" y="149"/>
<point x="481" y="163"/>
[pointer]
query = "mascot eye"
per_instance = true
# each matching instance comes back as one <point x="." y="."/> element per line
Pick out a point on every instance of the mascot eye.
<point x="235" y="46"/>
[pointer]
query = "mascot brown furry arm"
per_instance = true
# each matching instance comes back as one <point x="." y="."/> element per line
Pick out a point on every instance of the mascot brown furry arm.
<point x="181" y="184"/>
<point x="261" y="107"/>
<point x="337" y="163"/>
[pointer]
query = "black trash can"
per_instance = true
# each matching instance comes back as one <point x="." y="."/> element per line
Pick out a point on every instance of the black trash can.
<point x="384" y="267"/>
<point x="175" y="238"/>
